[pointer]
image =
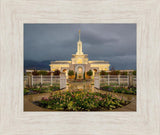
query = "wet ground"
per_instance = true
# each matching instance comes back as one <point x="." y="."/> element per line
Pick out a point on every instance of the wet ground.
<point x="88" y="86"/>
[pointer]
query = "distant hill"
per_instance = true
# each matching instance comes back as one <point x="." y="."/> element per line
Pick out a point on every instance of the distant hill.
<point x="38" y="65"/>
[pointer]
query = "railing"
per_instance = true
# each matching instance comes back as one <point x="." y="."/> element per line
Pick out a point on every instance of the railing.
<point x="116" y="80"/>
<point x="46" y="80"/>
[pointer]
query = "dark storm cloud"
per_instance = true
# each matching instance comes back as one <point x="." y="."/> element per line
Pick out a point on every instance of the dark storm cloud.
<point x="94" y="38"/>
<point x="115" y="43"/>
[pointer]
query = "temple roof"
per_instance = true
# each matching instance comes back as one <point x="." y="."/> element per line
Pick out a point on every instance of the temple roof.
<point x="60" y="62"/>
<point x="98" y="62"/>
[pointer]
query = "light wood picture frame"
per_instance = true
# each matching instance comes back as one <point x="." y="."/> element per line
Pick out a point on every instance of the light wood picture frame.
<point x="14" y="121"/>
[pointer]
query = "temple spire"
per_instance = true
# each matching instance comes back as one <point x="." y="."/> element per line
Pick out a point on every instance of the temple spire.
<point x="79" y="35"/>
<point x="79" y="45"/>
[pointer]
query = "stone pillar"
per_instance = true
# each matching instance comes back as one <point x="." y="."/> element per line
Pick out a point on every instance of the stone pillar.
<point x="30" y="80"/>
<point x="97" y="80"/>
<point x="62" y="80"/>
<point x="41" y="79"/>
<point x="119" y="81"/>
<point x="52" y="73"/>
<point x="51" y="79"/>
<point x="108" y="79"/>
<point x="130" y="80"/>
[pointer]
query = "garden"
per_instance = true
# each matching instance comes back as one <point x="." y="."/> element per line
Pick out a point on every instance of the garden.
<point x="124" y="90"/>
<point x="81" y="101"/>
<point x="75" y="98"/>
<point x="40" y="89"/>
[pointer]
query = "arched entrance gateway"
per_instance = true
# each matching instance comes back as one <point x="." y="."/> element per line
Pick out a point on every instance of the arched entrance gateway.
<point x="80" y="71"/>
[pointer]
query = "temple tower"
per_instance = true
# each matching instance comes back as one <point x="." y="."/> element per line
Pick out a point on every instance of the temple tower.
<point x="79" y="46"/>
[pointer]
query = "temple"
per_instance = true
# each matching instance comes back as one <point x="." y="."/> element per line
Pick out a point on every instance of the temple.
<point x="79" y="63"/>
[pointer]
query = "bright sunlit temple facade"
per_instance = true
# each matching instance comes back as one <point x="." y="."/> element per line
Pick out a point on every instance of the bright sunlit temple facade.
<point x="79" y="63"/>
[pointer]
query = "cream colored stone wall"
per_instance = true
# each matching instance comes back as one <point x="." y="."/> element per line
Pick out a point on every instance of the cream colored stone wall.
<point x="79" y="59"/>
<point x="101" y="66"/>
<point x="53" y="67"/>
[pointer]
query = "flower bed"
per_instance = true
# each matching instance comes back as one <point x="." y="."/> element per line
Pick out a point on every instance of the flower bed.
<point x="81" y="101"/>
<point x="30" y="91"/>
<point x="129" y="90"/>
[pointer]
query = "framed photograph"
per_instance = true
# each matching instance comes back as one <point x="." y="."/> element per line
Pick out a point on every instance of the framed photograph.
<point x="102" y="80"/>
<point x="79" y="67"/>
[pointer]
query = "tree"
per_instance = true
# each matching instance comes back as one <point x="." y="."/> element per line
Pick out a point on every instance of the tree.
<point x="35" y="72"/>
<point x="114" y="72"/>
<point x="49" y="73"/>
<point x="123" y="73"/>
<point x="134" y="72"/>
<point x="90" y="73"/>
<point x="70" y="72"/>
<point x="103" y="72"/>
<point x="42" y="72"/>
<point x="56" y="72"/>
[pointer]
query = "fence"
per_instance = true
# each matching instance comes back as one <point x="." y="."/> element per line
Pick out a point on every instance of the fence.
<point x="45" y="80"/>
<point x="134" y="80"/>
<point x="26" y="81"/>
<point x="117" y="80"/>
<point x="114" y="80"/>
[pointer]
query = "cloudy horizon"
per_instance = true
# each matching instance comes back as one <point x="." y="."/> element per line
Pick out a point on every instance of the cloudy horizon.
<point x="115" y="43"/>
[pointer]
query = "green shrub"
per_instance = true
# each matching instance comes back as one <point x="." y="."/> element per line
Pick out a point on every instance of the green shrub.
<point x="26" y="91"/>
<point x="70" y="72"/>
<point x="103" y="72"/>
<point x="90" y="73"/>
<point x="43" y="72"/>
<point x="56" y="72"/>
<point x="134" y="72"/>
<point x="35" y="72"/>
<point x="123" y="73"/>
<point x="129" y="90"/>
<point x="114" y="72"/>
<point x="53" y="88"/>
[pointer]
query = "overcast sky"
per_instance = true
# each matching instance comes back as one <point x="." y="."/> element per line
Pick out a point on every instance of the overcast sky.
<point x="115" y="43"/>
